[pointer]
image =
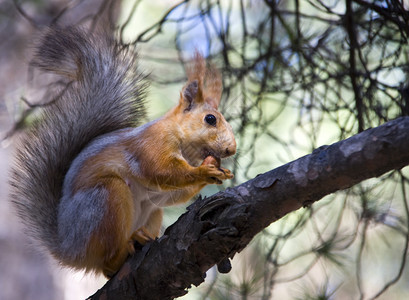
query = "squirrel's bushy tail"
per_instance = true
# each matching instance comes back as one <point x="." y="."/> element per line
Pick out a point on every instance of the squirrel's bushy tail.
<point x="103" y="92"/>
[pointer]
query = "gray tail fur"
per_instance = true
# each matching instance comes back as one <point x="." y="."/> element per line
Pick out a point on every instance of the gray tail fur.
<point x="104" y="92"/>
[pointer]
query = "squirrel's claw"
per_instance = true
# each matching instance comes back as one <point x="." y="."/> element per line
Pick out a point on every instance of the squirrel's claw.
<point x="141" y="236"/>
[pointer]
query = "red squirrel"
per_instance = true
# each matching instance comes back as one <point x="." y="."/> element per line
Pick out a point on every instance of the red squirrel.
<point x="87" y="181"/>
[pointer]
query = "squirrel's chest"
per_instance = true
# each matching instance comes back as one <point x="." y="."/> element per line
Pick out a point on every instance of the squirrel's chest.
<point x="146" y="200"/>
<point x="145" y="196"/>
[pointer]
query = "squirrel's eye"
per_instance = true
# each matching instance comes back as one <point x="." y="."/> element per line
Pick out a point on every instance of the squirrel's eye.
<point x="210" y="119"/>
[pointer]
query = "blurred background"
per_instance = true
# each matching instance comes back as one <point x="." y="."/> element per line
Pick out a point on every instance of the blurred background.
<point x="297" y="74"/>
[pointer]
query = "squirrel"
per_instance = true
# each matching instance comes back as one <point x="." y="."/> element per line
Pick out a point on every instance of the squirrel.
<point x="88" y="179"/>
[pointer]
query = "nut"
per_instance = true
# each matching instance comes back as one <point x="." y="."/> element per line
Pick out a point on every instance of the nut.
<point x="211" y="160"/>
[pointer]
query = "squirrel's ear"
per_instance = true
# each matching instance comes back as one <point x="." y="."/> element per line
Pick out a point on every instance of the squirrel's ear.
<point x="189" y="95"/>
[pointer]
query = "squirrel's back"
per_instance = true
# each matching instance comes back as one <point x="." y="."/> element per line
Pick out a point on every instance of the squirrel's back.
<point x="103" y="91"/>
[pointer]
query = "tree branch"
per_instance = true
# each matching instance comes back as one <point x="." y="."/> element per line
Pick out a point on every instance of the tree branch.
<point x="217" y="227"/>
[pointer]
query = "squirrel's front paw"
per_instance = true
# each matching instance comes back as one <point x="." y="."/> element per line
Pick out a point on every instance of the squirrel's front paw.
<point x="214" y="175"/>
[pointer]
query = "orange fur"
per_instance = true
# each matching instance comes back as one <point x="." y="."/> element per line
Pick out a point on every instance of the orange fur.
<point x="170" y="157"/>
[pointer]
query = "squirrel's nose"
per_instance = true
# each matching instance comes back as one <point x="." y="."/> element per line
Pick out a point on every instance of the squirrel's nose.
<point x="231" y="149"/>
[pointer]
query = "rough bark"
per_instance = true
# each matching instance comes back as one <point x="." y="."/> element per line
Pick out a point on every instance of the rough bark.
<point x="217" y="227"/>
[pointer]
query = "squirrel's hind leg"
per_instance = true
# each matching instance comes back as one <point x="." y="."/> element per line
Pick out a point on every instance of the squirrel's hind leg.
<point x="105" y="236"/>
<point x="116" y="229"/>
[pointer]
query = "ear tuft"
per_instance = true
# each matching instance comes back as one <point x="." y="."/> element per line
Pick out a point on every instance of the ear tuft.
<point x="213" y="86"/>
<point x="214" y="103"/>
<point x="190" y="93"/>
